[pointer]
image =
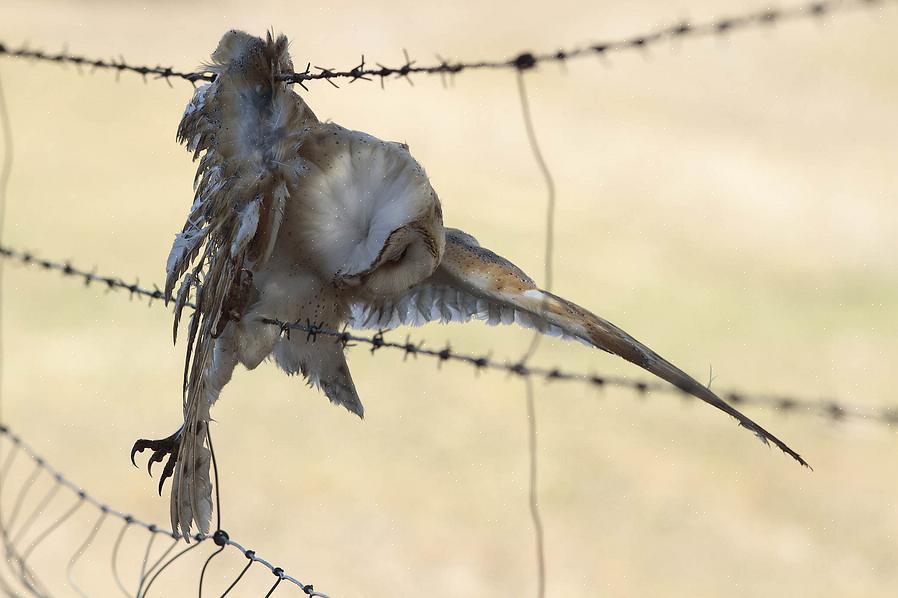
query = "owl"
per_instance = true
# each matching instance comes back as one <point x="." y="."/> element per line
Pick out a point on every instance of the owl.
<point x="296" y="219"/>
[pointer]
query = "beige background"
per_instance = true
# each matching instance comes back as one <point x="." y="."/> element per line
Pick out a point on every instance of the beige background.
<point x="732" y="202"/>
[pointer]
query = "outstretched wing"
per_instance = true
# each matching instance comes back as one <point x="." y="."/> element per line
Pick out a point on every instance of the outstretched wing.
<point x="473" y="282"/>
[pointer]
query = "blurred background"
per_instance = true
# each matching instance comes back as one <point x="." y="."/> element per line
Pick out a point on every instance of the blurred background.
<point x="730" y="201"/>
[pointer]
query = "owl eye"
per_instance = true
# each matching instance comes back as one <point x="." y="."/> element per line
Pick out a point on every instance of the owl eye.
<point x="399" y="257"/>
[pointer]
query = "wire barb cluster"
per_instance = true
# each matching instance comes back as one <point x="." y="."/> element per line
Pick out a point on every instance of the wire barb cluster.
<point x="119" y="65"/>
<point x="831" y="409"/>
<point x="834" y="410"/>
<point x="528" y="60"/>
<point x="17" y="559"/>
<point x="522" y="61"/>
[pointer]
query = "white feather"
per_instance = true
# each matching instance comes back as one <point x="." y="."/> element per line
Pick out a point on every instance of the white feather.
<point x="249" y="221"/>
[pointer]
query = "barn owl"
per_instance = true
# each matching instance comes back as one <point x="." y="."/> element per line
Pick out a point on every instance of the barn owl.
<point x="301" y="220"/>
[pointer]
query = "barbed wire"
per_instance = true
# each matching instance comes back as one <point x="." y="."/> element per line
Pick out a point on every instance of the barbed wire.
<point x="527" y="60"/>
<point x="18" y="552"/>
<point x="522" y="61"/>
<point x="829" y="408"/>
<point x="119" y="65"/>
<point x="17" y="560"/>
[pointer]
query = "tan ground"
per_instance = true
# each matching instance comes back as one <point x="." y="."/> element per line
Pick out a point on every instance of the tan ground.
<point x="730" y="201"/>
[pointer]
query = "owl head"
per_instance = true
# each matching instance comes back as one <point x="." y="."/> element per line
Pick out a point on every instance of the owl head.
<point x="369" y="214"/>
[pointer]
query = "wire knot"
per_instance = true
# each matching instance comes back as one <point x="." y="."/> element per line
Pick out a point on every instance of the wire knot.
<point x="220" y="537"/>
<point x="524" y="61"/>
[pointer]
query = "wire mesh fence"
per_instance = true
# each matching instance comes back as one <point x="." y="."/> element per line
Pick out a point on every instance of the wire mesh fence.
<point x="39" y="505"/>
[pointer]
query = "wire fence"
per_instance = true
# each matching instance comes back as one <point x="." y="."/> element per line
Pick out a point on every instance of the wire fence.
<point x="521" y="61"/>
<point x="829" y="408"/>
<point x="23" y="534"/>
<point x="24" y="530"/>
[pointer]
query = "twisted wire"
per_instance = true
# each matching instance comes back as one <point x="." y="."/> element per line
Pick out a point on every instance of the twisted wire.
<point x="119" y="65"/>
<point x="828" y="408"/>
<point x="220" y="538"/>
<point x="525" y="60"/>
<point x="528" y="60"/>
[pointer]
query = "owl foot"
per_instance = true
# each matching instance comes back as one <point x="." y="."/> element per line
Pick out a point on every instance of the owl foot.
<point x="166" y="446"/>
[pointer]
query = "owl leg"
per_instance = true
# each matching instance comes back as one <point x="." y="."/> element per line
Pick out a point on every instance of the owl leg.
<point x="323" y="364"/>
<point x="161" y="448"/>
<point x="215" y="377"/>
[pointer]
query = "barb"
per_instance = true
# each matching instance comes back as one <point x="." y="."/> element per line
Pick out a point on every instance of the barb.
<point x="30" y="580"/>
<point x="831" y="409"/>
<point x="522" y="61"/>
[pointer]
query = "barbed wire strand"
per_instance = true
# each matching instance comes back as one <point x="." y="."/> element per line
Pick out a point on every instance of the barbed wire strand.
<point x="521" y="63"/>
<point x="128" y="522"/>
<point x="524" y="60"/>
<point x="529" y="394"/>
<point x="829" y="408"/>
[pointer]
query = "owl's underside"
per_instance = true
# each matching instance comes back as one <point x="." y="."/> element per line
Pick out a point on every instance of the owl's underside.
<point x="299" y="220"/>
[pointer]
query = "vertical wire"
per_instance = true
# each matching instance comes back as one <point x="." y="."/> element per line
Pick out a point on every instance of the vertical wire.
<point x="38" y="510"/>
<point x="538" y="533"/>
<point x="5" y="172"/>
<point x="532" y="446"/>
<point x="175" y="541"/>
<point x="205" y="566"/>
<point x="547" y="176"/>
<point x="143" y="564"/>
<point x="53" y="527"/>
<point x="20" y="498"/>
<point x="239" y="577"/>
<point x="167" y="563"/>
<point x="275" y="586"/>
<point x="115" y="549"/>
<point x="70" y="567"/>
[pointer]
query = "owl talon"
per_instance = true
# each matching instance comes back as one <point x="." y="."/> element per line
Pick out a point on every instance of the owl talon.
<point x="161" y="448"/>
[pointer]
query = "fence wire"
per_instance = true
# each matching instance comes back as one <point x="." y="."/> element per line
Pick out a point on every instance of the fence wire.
<point x="781" y="403"/>
<point x="25" y="528"/>
<point x="22" y="534"/>
<point x="524" y="60"/>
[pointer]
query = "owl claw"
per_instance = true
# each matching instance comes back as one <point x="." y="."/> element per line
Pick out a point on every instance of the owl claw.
<point x="161" y="448"/>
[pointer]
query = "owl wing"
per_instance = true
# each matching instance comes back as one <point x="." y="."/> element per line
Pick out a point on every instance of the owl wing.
<point x="473" y="282"/>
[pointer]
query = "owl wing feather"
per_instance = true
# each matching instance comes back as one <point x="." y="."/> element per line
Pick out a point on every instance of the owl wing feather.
<point x="472" y="282"/>
<point x="246" y="128"/>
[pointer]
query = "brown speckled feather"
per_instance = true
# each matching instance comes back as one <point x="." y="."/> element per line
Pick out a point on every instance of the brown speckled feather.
<point x="474" y="282"/>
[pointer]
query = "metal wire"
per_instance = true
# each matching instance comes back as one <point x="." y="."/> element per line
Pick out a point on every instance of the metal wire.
<point x="782" y="403"/>
<point x="28" y="578"/>
<point x="524" y="60"/>
<point x="529" y="395"/>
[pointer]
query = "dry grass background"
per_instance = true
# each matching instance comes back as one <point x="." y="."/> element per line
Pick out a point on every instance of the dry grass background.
<point x="730" y="201"/>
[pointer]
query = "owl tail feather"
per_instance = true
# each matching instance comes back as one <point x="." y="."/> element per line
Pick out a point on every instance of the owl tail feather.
<point x="191" y="496"/>
<point x="600" y="333"/>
